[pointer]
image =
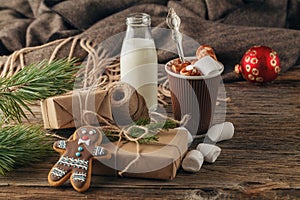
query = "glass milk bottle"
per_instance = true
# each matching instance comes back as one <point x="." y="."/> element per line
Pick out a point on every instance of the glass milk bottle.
<point x="139" y="59"/>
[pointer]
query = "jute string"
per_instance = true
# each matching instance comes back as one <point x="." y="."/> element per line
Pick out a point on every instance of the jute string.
<point x="94" y="78"/>
<point x="10" y="69"/>
<point x="123" y="133"/>
<point x="106" y="70"/>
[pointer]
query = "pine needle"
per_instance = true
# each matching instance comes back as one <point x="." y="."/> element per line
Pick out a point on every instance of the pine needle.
<point x="25" y="144"/>
<point x="153" y="128"/>
<point x="35" y="82"/>
<point x="22" y="145"/>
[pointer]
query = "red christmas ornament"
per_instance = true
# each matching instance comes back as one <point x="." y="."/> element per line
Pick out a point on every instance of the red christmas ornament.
<point x="259" y="64"/>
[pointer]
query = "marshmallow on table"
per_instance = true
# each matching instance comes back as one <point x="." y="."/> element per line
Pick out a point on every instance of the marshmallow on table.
<point x="190" y="137"/>
<point x="220" y="132"/>
<point x="192" y="161"/>
<point x="210" y="152"/>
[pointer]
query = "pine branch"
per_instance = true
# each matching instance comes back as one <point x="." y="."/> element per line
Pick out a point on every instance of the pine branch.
<point x="25" y="144"/>
<point x="153" y="128"/>
<point x="22" y="145"/>
<point x="35" y="82"/>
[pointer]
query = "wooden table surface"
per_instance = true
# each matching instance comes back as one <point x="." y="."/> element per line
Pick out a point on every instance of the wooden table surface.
<point x="262" y="161"/>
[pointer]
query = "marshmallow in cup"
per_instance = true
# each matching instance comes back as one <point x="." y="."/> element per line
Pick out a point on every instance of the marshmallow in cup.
<point x="207" y="65"/>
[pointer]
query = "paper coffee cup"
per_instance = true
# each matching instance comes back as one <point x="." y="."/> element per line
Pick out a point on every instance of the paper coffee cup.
<point x="194" y="95"/>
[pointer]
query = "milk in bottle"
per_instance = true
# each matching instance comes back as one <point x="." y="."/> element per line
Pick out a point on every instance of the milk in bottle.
<point x="139" y="58"/>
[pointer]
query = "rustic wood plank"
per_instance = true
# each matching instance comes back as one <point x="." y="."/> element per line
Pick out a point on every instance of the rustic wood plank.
<point x="158" y="193"/>
<point x="260" y="162"/>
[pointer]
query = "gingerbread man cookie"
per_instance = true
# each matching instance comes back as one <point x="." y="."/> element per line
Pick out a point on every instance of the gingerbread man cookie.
<point x="75" y="162"/>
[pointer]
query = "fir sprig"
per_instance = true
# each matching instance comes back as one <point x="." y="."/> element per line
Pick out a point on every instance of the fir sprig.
<point x="153" y="128"/>
<point x="22" y="145"/>
<point x="168" y="124"/>
<point x="35" y="82"/>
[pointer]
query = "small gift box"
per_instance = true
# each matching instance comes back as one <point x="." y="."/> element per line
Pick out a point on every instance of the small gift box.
<point x="119" y="104"/>
<point x="63" y="111"/>
<point x="158" y="160"/>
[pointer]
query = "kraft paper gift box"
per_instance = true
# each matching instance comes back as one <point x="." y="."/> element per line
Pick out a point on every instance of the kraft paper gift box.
<point x="159" y="160"/>
<point x="121" y="102"/>
<point x="63" y="111"/>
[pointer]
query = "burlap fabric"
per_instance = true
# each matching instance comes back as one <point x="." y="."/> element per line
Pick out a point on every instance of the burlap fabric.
<point x="229" y="26"/>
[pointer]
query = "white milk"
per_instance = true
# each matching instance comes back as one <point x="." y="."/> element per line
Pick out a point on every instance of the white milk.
<point x="139" y="68"/>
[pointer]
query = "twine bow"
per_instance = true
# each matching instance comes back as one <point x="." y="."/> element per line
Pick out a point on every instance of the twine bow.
<point x="94" y="78"/>
<point x="124" y="133"/>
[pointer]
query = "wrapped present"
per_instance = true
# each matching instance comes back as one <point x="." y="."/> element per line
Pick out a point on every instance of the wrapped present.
<point x="159" y="160"/>
<point x="120" y="104"/>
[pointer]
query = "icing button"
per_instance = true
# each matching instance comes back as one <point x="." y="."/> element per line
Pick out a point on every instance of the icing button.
<point x="80" y="149"/>
<point x="78" y="154"/>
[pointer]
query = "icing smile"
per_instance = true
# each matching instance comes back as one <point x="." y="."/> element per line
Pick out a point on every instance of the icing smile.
<point x="84" y="141"/>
